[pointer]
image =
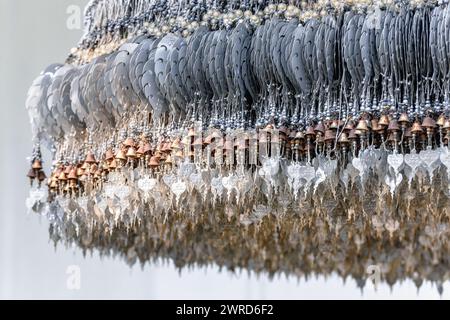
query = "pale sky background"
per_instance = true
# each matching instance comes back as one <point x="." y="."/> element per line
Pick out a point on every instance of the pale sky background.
<point x="33" y="35"/>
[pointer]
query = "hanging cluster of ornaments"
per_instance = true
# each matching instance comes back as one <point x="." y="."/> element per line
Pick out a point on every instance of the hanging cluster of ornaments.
<point x="173" y="120"/>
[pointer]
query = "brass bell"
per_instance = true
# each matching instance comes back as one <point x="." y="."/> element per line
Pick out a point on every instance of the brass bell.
<point x="147" y="148"/>
<point x="73" y="174"/>
<point x="329" y="135"/>
<point x="105" y="166"/>
<point x="158" y="155"/>
<point x="343" y="139"/>
<point x="416" y="127"/>
<point x="31" y="174"/>
<point x="140" y="151"/>
<point x="384" y="120"/>
<point x="131" y="153"/>
<point x="447" y="137"/>
<point x="109" y="155"/>
<point x="41" y="176"/>
<point x="90" y="158"/>
<point x="404" y="119"/>
<point x="319" y="128"/>
<point x="37" y="164"/>
<point x="352" y="135"/>
<point x="393" y="126"/>
<point x="375" y="126"/>
<point x="129" y="142"/>
<point x="446" y="124"/>
<point x="113" y="164"/>
<point x="441" y="120"/>
<point x="428" y="123"/>
<point x="120" y="155"/>
<point x="310" y="132"/>
<point x="349" y="126"/>
<point x="62" y="176"/>
<point x="54" y="184"/>
<point x="362" y="125"/>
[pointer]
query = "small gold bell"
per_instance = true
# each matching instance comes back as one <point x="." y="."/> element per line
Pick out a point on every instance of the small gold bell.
<point x="129" y="142"/>
<point x="343" y="139"/>
<point x="384" y="120"/>
<point x="109" y="155"/>
<point x="37" y="164"/>
<point x="319" y="128"/>
<point x="310" y="132"/>
<point x="329" y="136"/>
<point x="131" y="153"/>
<point x="154" y="162"/>
<point x="62" y="176"/>
<point x="416" y="128"/>
<point x="90" y="158"/>
<point x="428" y="123"/>
<point x="349" y="126"/>
<point x="404" y="119"/>
<point x="362" y="125"/>
<point x="73" y="175"/>
<point x="393" y="126"/>
<point x="120" y="155"/>
<point x="441" y="120"/>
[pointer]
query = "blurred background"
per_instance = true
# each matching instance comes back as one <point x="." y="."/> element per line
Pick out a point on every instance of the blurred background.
<point x="33" y="35"/>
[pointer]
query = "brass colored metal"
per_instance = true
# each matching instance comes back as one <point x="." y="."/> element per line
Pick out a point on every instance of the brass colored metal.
<point x="330" y="135"/>
<point x="384" y="120"/>
<point x="310" y="132"/>
<point x="90" y="158"/>
<point x="343" y="139"/>
<point x="120" y="155"/>
<point x="416" y="127"/>
<point x="129" y="142"/>
<point x="428" y="123"/>
<point x="109" y="155"/>
<point x="441" y="120"/>
<point x="319" y="128"/>
<point x="131" y="153"/>
<point x="393" y="126"/>
<point x="362" y="125"/>
<point x="404" y="119"/>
